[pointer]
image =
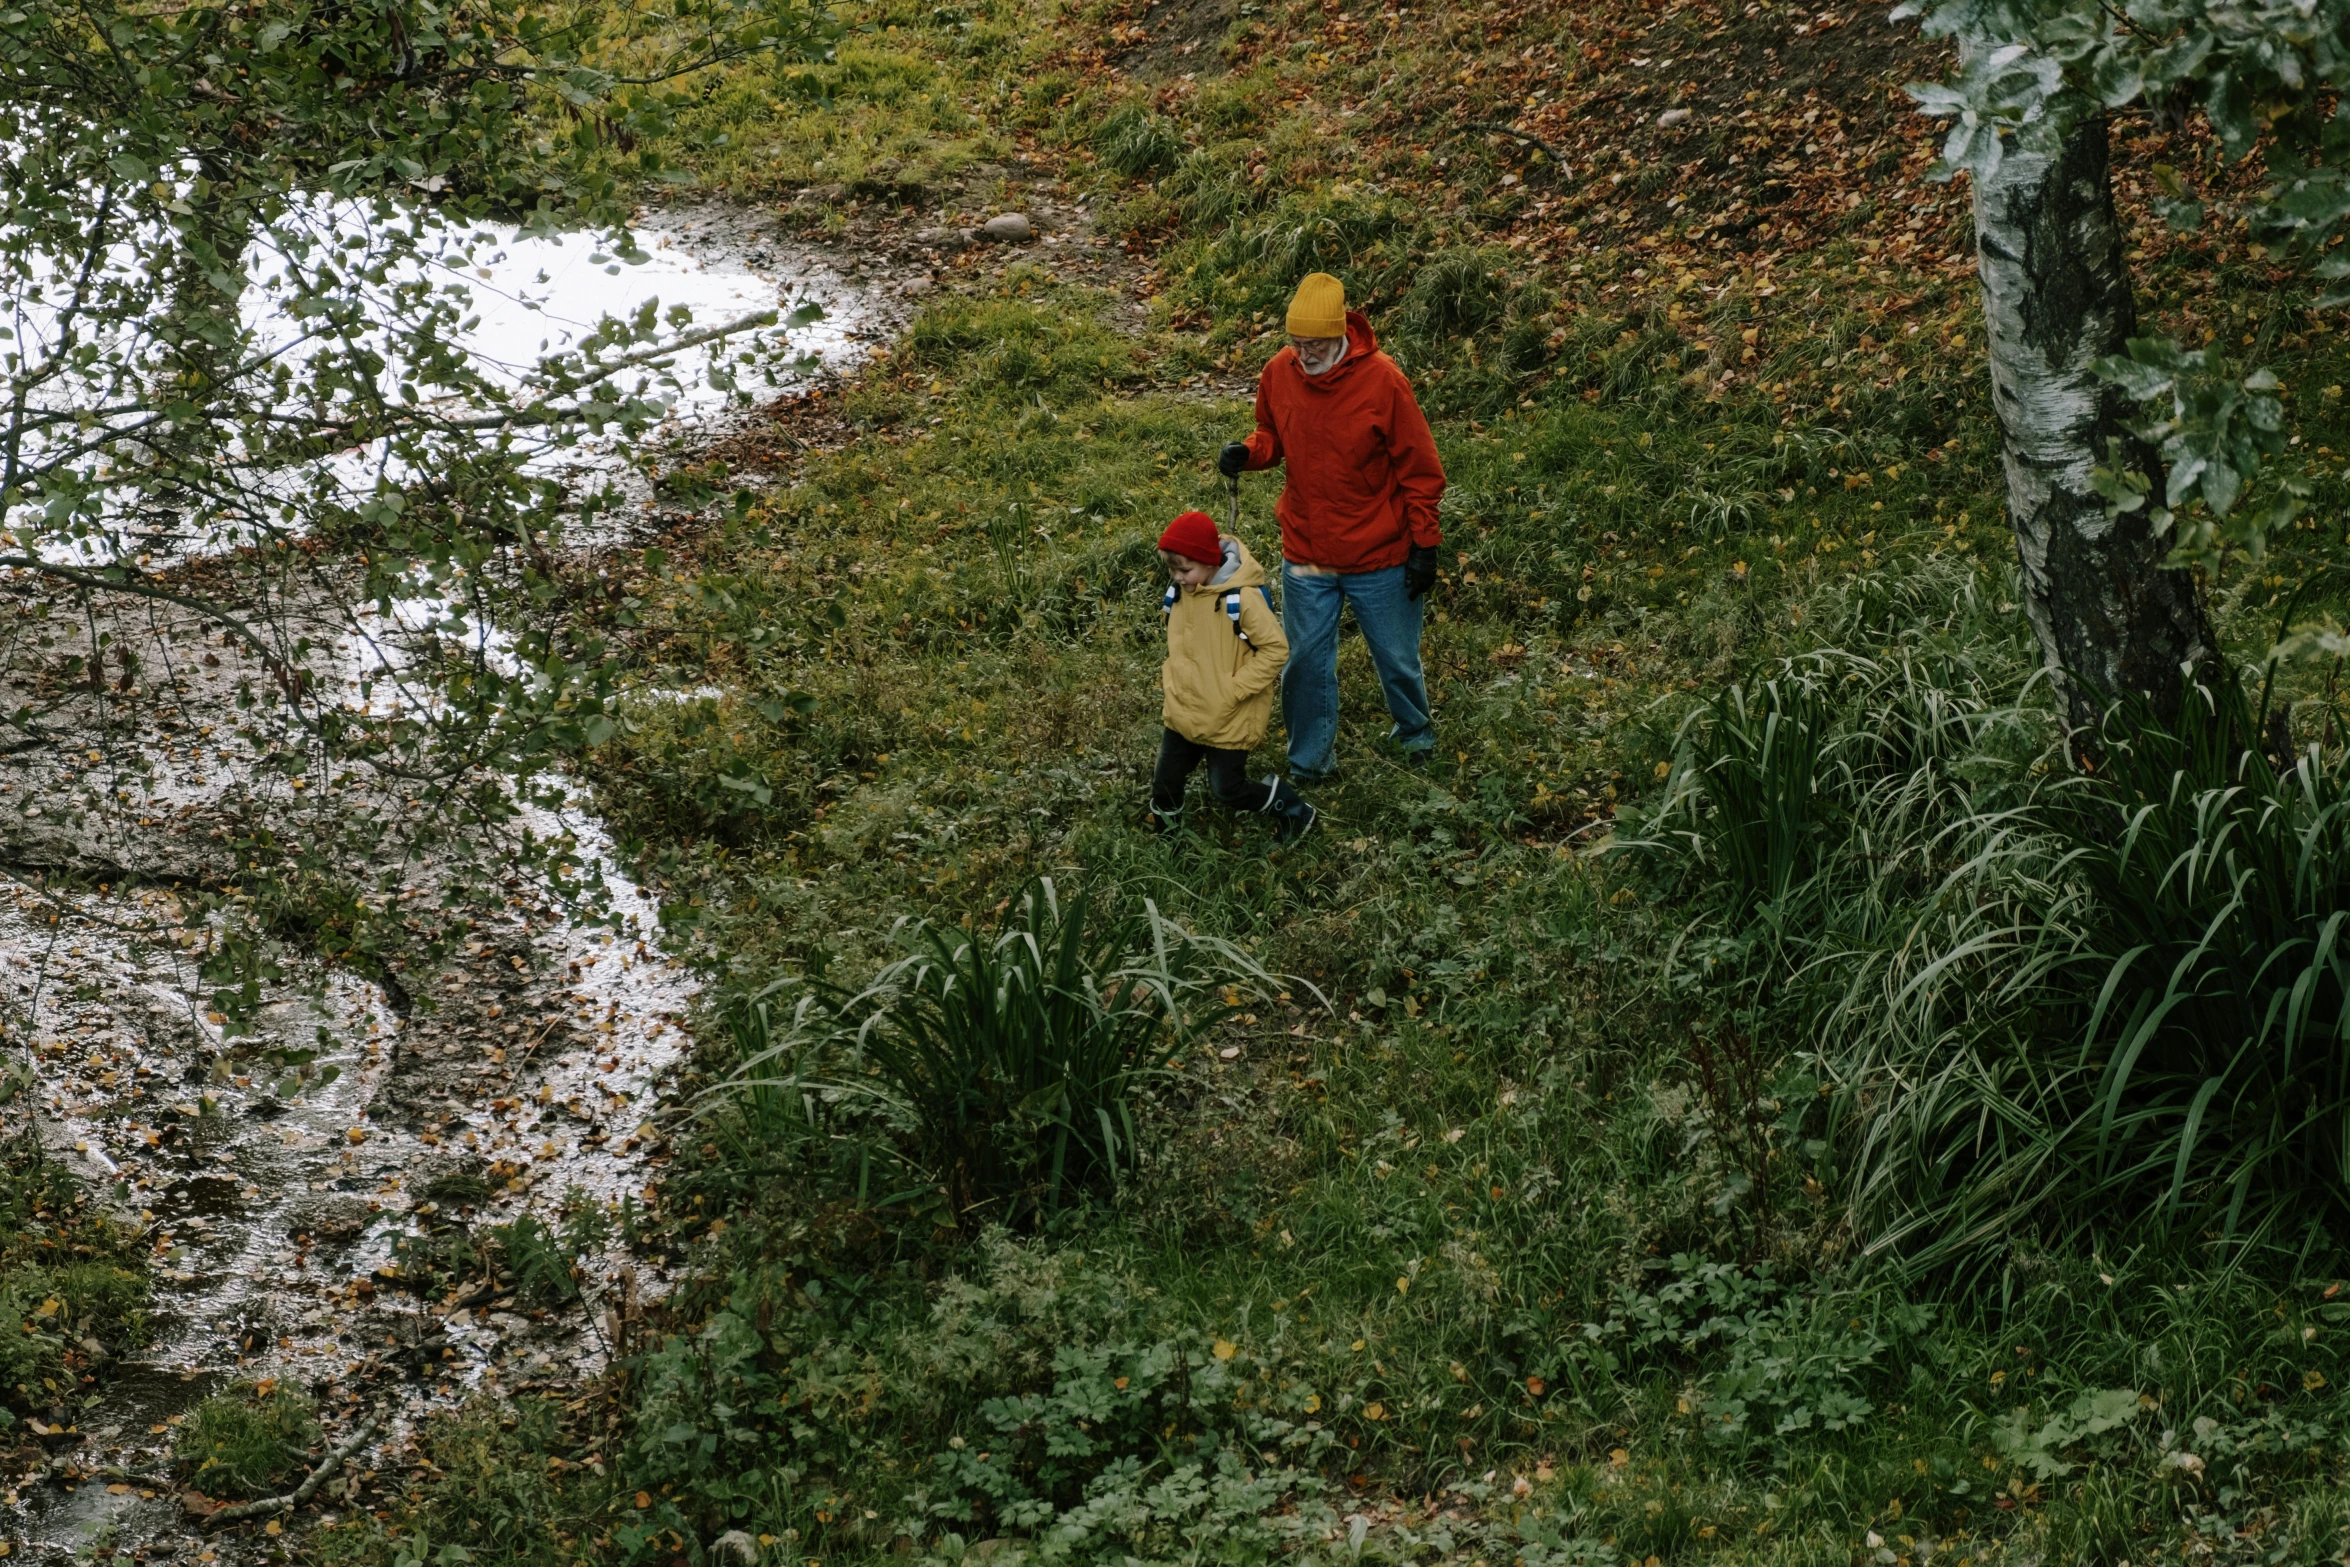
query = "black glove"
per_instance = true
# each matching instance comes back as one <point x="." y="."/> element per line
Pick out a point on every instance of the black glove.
<point x="1419" y="571"/>
<point x="1232" y="459"/>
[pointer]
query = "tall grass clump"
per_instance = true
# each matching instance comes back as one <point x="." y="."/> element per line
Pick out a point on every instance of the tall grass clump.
<point x="2110" y="1002"/>
<point x="1135" y="142"/>
<point x="1002" y="1070"/>
<point x="73" y="1292"/>
<point x="1749" y="796"/>
<point x="247" y="1442"/>
<point x="2220" y="1036"/>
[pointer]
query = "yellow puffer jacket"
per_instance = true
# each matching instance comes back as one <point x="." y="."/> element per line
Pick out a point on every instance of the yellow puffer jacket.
<point x="1224" y="652"/>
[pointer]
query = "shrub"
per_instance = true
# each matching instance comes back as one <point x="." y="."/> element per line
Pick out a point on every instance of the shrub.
<point x="247" y="1442"/>
<point x="1044" y="1392"/>
<point x="1135" y="142"/>
<point x="1747" y="795"/>
<point x="68" y="1279"/>
<point x="1457" y="291"/>
<point x="2220" y="1034"/>
<point x="2099" y="999"/>
<point x="1011" y="1062"/>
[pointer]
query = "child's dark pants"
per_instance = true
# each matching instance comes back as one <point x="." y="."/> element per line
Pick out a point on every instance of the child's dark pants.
<point x="1227" y="778"/>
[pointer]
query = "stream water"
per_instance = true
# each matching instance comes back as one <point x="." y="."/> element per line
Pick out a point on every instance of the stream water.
<point x="516" y="1082"/>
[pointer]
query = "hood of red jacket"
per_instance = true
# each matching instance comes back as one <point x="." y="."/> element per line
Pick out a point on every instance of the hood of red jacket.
<point x="1361" y="344"/>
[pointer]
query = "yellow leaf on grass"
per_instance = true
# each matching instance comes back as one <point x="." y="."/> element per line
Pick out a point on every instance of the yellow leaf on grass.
<point x="1403" y="1286"/>
<point x="1313" y="1402"/>
<point x="1374" y="1411"/>
<point x="2311" y="1381"/>
<point x="1226" y="1349"/>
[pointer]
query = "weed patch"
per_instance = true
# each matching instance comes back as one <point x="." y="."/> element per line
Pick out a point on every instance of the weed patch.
<point x="73" y="1291"/>
<point x="247" y="1443"/>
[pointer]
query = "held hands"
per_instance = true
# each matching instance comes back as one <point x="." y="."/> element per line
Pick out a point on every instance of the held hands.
<point x="1232" y="459"/>
<point x="1419" y="571"/>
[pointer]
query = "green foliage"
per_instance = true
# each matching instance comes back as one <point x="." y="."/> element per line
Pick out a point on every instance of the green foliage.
<point x="327" y="98"/>
<point x="1020" y="350"/>
<point x="2093" y="998"/>
<point x="1786" y="1361"/>
<point x="1137" y="143"/>
<point x="1015" y="1059"/>
<point x="2219" y="431"/>
<point x="2219" y="886"/>
<point x="1751" y="785"/>
<point x="509" y="1487"/>
<point x="1456" y="291"/>
<point x="2090" y="1415"/>
<point x="73" y="1293"/>
<point x="2262" y="74"/>
<point x="249" y="1442"/>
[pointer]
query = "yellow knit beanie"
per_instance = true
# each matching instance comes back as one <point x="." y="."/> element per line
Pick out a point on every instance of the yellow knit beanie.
<point x="1320" y="307"/>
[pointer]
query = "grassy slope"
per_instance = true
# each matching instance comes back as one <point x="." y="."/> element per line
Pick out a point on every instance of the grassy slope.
<point x="1686" y="437"/>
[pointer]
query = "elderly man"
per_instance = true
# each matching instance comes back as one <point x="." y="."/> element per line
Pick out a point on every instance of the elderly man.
<point x="1358" y="519"/>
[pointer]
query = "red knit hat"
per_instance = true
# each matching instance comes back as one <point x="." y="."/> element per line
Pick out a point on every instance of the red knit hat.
<point x="1194" y="534"/>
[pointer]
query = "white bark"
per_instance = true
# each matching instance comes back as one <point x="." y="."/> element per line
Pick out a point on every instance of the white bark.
<point x="2110" y="618"/>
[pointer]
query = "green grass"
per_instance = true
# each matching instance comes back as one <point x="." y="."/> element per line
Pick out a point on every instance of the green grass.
<point x="73" y="1289"/>
<point x="1526" y="1212"/>
<point x="251" y="1442"/>
<point x="1491" y="1161"/>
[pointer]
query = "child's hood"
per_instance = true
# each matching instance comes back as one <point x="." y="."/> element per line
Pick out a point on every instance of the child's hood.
<point x="1240" y="569"/>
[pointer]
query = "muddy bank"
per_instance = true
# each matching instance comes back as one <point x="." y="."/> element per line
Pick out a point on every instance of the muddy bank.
<point x="303" y="1185"/>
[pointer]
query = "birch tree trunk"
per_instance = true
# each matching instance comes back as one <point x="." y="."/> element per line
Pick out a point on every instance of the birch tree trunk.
<point x="2056" y="298"/>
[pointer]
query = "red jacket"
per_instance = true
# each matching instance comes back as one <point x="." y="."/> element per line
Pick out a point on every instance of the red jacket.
<point x="1363" y="476"/>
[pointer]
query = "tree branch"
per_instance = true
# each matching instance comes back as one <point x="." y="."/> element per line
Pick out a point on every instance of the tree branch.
<point x="308" y="1488"/>
<point x="541" y="413"/>
<point x="1557" y="158"/>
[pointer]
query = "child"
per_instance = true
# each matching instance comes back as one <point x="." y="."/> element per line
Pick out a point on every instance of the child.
<point x="1224" y="654"/>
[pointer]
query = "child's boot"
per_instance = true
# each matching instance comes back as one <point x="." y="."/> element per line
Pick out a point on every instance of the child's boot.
<point x="1163" y="822"/>
<point x="1292" y="817"/>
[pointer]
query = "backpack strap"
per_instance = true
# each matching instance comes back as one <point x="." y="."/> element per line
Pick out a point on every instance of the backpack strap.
<point x="1232" y="612"/>
<point x="1167" y="604"/>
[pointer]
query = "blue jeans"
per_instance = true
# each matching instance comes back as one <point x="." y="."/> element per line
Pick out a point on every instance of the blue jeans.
<point x="1390" y="624"/>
